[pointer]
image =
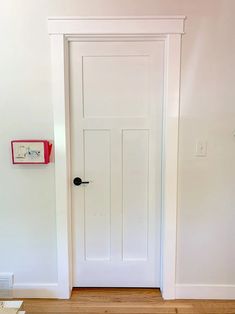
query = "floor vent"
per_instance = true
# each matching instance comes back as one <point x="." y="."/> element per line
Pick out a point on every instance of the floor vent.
<point x="6" y="285"/>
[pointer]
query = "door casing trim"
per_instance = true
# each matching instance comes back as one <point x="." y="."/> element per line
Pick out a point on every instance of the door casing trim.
<point x="62" y="30"/>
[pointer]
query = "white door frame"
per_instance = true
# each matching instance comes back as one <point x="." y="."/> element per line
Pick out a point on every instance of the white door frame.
<point x="61" y="31"/>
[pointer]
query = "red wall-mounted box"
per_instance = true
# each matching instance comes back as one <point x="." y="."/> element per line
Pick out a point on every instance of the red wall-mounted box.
<point x="31" y="151"/>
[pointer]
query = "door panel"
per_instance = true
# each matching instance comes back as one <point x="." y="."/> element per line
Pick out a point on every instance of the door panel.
<point x="101" y="81"/>
<point x="116" y="95"/>
<point x="135" y="194"/>
<point x="97" y="197"/>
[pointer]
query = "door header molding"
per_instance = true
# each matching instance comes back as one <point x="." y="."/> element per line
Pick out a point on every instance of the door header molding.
<point x="116" y="25"/>
<point x="61" y="31"/>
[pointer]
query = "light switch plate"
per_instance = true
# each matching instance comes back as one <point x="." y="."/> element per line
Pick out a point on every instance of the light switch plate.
<point x="201" y="148"/>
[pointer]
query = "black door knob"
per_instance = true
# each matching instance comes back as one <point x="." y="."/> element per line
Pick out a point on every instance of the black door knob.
<point x="78" y="181"/>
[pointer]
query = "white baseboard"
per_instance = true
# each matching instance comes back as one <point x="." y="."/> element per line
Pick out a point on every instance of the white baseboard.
<point x="183" y="291"/>
<point x="35" y="290"/>
<point x="198" y="291"/>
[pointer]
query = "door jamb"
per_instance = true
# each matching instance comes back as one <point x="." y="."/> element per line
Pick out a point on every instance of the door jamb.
<point x="61" y="31"/>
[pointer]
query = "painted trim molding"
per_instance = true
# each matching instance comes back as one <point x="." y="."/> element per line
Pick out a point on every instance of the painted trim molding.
<point x="117" y="25"/>
<point x="200" y="291"/>
<point x="35" y="290"/>
<point x="62" y="30"/>
<point x="182" y="291"/>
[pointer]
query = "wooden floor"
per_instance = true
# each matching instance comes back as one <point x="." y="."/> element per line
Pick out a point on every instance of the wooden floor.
<point x="130" y="301"/>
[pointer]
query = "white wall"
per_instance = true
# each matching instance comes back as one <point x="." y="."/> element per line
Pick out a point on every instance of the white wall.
<point x="206" y="233"/>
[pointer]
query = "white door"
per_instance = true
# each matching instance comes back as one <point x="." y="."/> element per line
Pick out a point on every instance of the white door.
<point x="116" y="97"/>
